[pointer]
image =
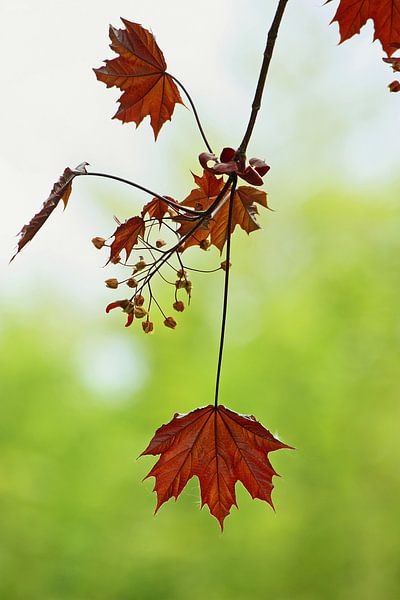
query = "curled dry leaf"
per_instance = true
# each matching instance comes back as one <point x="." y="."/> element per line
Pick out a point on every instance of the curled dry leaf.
<point x="220" y="447"/>
<point x="140" y="73"/>
<point x="60" y="191"/>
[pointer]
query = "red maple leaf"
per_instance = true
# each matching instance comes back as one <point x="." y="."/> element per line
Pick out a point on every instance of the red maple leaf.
<point x="244" y="211"/>
<point x="126" y="236"/>
<point x="140" y="73"/>
<point x="353" y="14"/>
<point x="61" y="191"/>
<point x="218" y="446"/>
<point x="156" y="209"/>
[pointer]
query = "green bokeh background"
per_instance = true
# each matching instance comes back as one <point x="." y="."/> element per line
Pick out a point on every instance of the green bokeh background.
<point x="312" y="352"/>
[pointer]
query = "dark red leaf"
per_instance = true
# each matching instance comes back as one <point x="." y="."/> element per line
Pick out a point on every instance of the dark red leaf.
<point x="352" y="15"/>
<point x="126" y="236"/>
<point x="140" y="73"/>
<point x="218" y="446"/>
<point x="61" y="191"/>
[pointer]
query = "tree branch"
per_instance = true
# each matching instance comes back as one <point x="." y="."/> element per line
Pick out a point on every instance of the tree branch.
<point x="269" y="49"/>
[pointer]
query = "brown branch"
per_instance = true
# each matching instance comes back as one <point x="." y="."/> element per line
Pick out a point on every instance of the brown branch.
<point x="269" y="49"/>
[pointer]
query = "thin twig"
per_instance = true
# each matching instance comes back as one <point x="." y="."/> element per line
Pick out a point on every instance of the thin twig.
<point x="196" y="116"/>
<point x="171" y="203"/>
<point x="269" y="49"/>
<point x="226" y="287"/>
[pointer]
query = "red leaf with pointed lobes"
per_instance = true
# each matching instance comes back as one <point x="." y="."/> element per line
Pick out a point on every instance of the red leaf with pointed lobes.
<point x="352" y="15"/>
<point x="244" y="211"/>
<point x="156" y="209"/>
<point x="218" y="446"/>
<point x="140" y="73"/>
<point x="126" y="236"/>
<point x="61" y="191"/>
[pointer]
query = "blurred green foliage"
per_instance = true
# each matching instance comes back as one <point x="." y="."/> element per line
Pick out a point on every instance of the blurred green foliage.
<point x="312" y="352"/>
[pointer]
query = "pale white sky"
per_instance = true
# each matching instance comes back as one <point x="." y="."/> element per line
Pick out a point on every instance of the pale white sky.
<point x="327" y="117"/>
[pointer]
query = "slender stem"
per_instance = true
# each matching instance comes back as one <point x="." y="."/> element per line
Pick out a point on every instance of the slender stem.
<point x="171" y="203"/>
<point x="269" y="49"/>
<point x="226" y="288"/>
<point x="196" y="116"/>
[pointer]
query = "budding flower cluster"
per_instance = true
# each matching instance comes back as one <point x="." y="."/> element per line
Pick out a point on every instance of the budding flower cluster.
<point x="140" y="265"/>
<point x="178" y="306"/>
<point x="98" y="242"/>
<point x="147" y="326"/>
<point x="112" y="283"/>
<point x="170" y="322"/>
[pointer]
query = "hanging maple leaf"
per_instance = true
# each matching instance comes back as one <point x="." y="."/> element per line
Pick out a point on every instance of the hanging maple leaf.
<point x="60" y="191"/>
<point x="140" y="73"/>
<point x="352" y="15"/>
<point x="156" y="209"/>
<point x="218" y="446"/>
<point x="244" y="211"/>
<point x="126" y="236"/>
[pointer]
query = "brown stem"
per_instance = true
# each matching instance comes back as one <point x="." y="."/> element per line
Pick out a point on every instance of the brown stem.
<point x="269" y="49"/>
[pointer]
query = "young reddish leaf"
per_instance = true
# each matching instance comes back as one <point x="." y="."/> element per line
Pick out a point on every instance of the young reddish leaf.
<point x="244" y="211"/>
<point x="156" y="209"/>
<point x="140" y="73"/>
<point x="61" y="191"/>
<point x="209" y="186"/>
<point x="244" y="214"/>
<point x="353" y="14"/>
<point x="126" y="236"/>
<point x="218" y="446"/>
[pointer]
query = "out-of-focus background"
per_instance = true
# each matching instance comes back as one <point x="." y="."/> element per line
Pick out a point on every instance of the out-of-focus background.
<point x="314" y="325"/>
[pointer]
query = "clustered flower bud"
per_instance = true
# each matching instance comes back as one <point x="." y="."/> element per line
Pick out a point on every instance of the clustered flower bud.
<point x="225" y="266"/>
<point x="132" y="283"/>
<point x="160" y="243"/>
<point x="394" y="86"/>
<point x="180" y="284"/>
<point x="140" y="265"/>
<point x="170" y="322"/>
<point x="178" y="306"/>
<point x="98" y="242"/>
<point x="139" y="300"/>
<point x="205" y="244"/>
<point x="188" y="287"/>
<point x="111" y="283"/>
<point x="147" y="326"/>
<point x="140" y="312"/>
<point x="181" y="273"/>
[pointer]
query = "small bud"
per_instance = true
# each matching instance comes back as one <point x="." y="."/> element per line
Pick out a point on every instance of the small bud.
<point x="116" y="259"/>
<point x="180" y="284"/>
<point x="140" y="265"/>
<point x="188" y="286"/>
<point x="394" y="86"/>
<point x="181" y="273"/>
<point x="178" y="306"/>
<point x="140" y="312"/>
<point x="132" y="283"/>
<point x="111" y="283"/>
<point x="205" y="244"/>
<point x="148" y="326"/>
<point x="225" y="265"/>
<point x="139" y="300"/>
<point x="170" y="322"/>
<point x="160" y="243"/>
<point x="98" y="242"/>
